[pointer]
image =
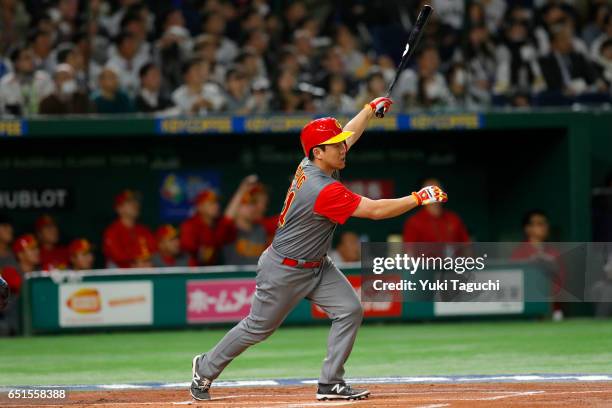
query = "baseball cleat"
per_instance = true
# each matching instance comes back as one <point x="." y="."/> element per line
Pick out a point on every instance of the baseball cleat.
<point x="199" y="386"/>
<point x="340" y="391"/>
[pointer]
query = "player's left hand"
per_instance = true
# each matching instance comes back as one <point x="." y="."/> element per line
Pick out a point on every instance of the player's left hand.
<point x="430" y="195"/>
<point x="385" y="102"/>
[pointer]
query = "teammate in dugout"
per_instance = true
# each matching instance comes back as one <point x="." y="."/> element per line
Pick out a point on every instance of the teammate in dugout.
<point x="296" y="265"/>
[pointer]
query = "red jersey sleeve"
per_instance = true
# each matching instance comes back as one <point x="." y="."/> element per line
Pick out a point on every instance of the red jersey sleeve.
<point x="336" y="202"/>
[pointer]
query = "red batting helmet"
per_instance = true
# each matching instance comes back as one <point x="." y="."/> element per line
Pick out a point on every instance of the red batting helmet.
<point x="322" y="131"/>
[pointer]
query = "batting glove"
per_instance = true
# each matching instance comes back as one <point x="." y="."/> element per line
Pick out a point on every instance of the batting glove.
<point x="430" y="195"/>
<point x="382" y="101"/>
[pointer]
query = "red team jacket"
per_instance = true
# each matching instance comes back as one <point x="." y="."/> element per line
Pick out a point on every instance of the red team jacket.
<point x="203" y="242"/>
<point x="424" y="227"/>
<point x="56" y="258"/>
<point x="122" y="244"/>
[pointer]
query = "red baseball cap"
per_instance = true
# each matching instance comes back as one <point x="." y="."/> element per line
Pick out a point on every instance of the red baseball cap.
<point x="322" y="131"/>
<point x="125" y="195"/>
<point x="205" y="195"/>
<point x="250" y="195"/>
<point x="24" y="242"/>
<point x="79" y="246"/>
<point x="166" y="231"/>
<point x="43" y="221"/>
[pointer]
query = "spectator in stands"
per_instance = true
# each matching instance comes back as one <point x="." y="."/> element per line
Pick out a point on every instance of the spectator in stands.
<point x="434" y="223"/>
<point x="113" y="22"/>
<point x="251" y="65"/>
<point x="565" y="70"/>
<point x="52" y="255"/>
<point x="237" y="94"/>
<point x="257" y="46"/>
<point x="348" y="248"/>
<point x="337" y="100"/>
<point x="169" y="248"/>
<point x="6" y="238"/>
<point x="355" y="61"/>
<point x="214" y="23"/>
<point x="304" y="51"/>
<point x="553" y="16"/>
<point x="536" y="230"/>
<point x="137" y="22"/>
<point x="597" y="22"/>
<point x="424" y="87"/>
<point x="41" y="44"/>
<point x="173" y="48"/>
<point x="596" y="46"/>
<point x="375" y="85"/>
<point x="125" y="240"/>
<point x="14" y="21"/>
<point x="517" y="56"/>
<point x="109" y="98"/>
<point x="457" y="78"/>
<point x="126" y="63"/>
<point x="150" y="99"/>
<point x="198" y="95"/>
<point x="250" y="238"/>
<point x="259" y="102"/>
<point x="81" y="256"/>
<point x="286" y="98"/>
<point x="65" y="17"/>
<point x="69" y="54"/>
<point x="205" y="48"/>
<point x="604" y="62"/>
<point x="205" y="233"/>
<point x="66" y="99"/>
<point x="22" y="90"/>
<point x="480" y="60"/>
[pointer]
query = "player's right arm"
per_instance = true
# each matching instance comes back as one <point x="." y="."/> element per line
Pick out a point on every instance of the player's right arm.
<point x="389" y="208"/>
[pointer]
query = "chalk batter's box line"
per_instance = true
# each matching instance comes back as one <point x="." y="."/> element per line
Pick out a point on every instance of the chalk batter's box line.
<point x="466" y="379"/>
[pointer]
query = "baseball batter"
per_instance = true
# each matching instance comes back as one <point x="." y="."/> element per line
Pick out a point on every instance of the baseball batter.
<point x="296" y="265"/>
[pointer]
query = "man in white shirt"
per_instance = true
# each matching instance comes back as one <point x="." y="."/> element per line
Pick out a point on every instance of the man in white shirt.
<point x="22" y="90"/>
<point x="198" y="95"/>
<point x="127" y="63"/>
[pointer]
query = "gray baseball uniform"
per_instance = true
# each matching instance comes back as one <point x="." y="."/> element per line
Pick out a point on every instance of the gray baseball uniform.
<point x="296" y="266"/>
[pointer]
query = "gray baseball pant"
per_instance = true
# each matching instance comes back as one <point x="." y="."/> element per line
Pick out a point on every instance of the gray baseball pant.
<point x="279" y="289"/>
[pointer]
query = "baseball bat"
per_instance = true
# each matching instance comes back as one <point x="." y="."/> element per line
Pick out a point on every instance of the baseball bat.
<point x="413" y="40"/>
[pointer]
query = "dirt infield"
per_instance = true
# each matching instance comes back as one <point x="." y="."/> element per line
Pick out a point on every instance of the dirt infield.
<point x="560" y="394"/>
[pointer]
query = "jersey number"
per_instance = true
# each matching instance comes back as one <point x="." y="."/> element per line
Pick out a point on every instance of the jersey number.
<point x="288" y="202"/>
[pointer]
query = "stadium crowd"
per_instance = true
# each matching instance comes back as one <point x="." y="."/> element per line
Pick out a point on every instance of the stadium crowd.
<point x="247" y="57"/>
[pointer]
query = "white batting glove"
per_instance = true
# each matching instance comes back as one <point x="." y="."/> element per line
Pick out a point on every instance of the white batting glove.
<point x="430" y="195"/>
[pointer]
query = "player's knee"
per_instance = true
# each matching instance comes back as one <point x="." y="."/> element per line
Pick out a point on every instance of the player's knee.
<point x="356" y="311"/>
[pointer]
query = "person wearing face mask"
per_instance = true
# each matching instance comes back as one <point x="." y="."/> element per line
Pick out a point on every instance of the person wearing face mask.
<point x="22" y="90"/>
<point x="66" y="99"/>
